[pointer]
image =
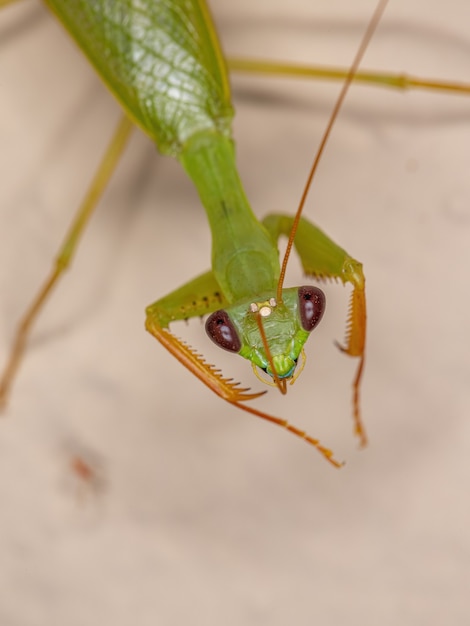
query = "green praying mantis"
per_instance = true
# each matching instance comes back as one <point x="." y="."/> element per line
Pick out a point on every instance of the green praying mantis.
<point x="242" y="293"/>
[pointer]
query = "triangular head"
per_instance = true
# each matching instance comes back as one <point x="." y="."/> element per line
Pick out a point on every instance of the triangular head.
<point x="287" y="326"/>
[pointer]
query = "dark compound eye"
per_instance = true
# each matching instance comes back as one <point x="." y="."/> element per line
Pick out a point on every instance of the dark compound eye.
<point x="311" y="306"/>
<point x="220" y="329"/>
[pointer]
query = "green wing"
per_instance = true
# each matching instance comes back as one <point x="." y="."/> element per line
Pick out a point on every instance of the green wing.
<point x="160" y="58"/>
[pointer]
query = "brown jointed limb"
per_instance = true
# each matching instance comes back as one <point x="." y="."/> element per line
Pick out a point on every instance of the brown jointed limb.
<point x="355" y="342"/>
<point x="326" y="452"/>
<point x="357" y="316"/>
<point x="105" y="170"/>
<point x="358" y="426"/>
<point x="224" y="387"/>
<point x="194" y="362"/>
<point x="400" y="81"/>
<point x="21" y="337"/>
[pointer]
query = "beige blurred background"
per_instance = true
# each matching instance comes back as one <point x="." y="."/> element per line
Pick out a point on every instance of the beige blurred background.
<point x="197" y="514"/>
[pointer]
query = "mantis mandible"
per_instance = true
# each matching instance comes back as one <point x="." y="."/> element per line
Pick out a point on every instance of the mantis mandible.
<point x="222" y="286"/>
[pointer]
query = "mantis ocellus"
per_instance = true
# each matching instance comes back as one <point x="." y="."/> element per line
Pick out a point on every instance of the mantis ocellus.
<point x="217" y="290"/>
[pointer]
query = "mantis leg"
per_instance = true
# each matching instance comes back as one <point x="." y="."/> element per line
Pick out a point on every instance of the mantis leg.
<point x="4" y="3"/>
<point x="402" y="82"/>
<point x="197" y="298"/>
<point x="66" y="252"/>
<point x="323" y="259"/>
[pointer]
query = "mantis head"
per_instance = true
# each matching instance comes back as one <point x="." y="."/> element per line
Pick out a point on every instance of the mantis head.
<point x="270" y="333"/>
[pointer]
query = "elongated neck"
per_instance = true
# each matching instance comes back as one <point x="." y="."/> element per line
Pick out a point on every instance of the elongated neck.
<point x="244" y="257"/>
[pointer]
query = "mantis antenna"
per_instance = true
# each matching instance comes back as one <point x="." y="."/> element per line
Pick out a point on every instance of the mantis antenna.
<point x="339" y="102"/>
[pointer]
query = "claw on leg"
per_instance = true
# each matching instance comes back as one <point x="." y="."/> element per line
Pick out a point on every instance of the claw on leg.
<point x="355" y="341"/>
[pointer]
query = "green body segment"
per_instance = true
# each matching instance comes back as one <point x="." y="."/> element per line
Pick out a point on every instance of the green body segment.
<point x="245" y="260"/>
<point x="160" y="58"/>
<point x="163" y="62"/>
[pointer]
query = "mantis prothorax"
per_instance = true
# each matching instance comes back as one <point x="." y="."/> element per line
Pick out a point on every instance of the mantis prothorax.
<point x="178" y="92"/>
